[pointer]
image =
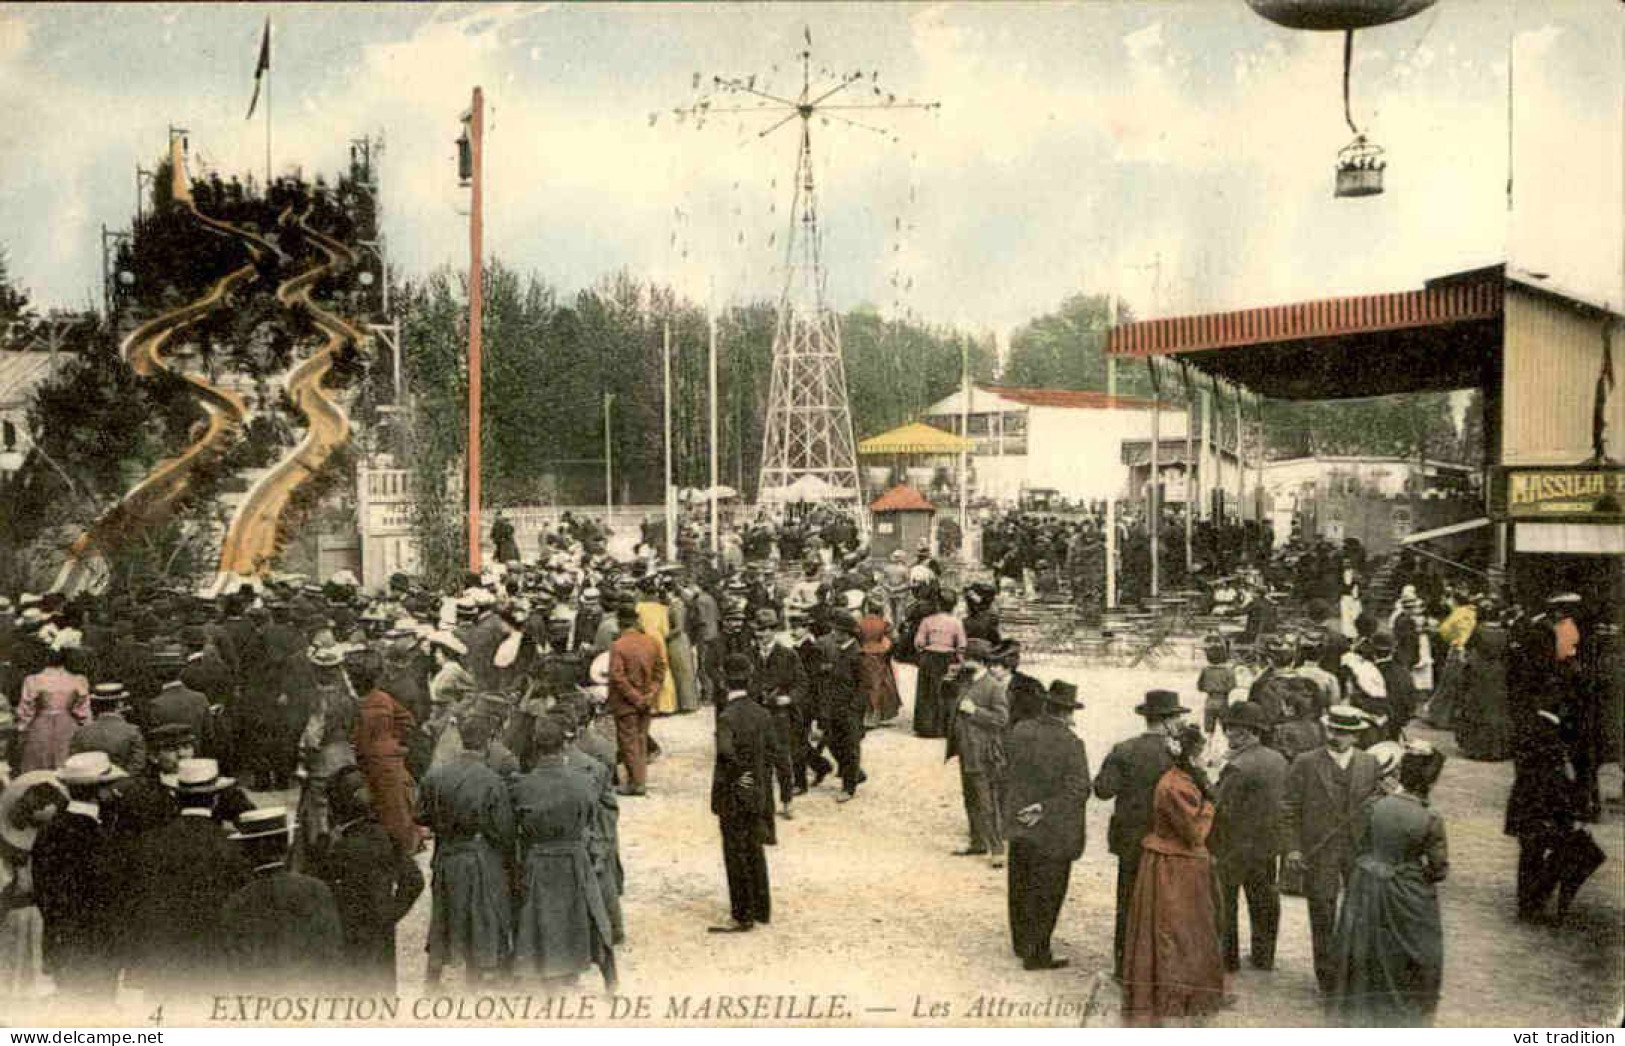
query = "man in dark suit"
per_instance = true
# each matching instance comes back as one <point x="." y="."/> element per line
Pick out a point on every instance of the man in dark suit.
<point x="184" y="871"/>
<point x="842" y="702"/>
<point x="1397" y="680"/>
<point x="1554" y="853"/>
<point x="178" y="703"/>
<point x="281" y="930"/>
<point x="78" y="882"/>
<point x="779" y="684"/>
<point x="1026" y="693"/>
<point x="1246" y="831"/>
<point x="1325" y="791"/>
<point x="1046" y="808"/>
<point x="742" y="798"/>
<point x="1130" y="775"/>
<point x="110" y="731"/>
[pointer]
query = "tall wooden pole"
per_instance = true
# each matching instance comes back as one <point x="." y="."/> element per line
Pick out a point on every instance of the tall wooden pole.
<point x="476" y="309"/>
<point x="711" y="379"/>
<point x="1153" y="500"/>
<point x="1191" y="474"/>
<point x="1111" y="496"/>
<point x="671" y="500"/>
<point x="964" y="453"/>
<point x="609" y="469"/>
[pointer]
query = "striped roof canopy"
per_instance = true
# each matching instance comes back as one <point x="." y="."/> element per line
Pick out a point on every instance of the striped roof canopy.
<point x="914" y="438"/>
<point x="1445" y="336"/>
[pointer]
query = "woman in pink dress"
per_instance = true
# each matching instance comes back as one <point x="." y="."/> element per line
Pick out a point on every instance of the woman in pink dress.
<point x="55" y="702"/>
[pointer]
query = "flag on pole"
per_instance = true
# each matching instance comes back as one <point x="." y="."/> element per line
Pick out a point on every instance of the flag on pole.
<point x="261" y="68"/>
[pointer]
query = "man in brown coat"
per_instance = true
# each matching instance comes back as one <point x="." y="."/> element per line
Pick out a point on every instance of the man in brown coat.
<point x="1325" y="791"/>
<point x="636" y="672"/>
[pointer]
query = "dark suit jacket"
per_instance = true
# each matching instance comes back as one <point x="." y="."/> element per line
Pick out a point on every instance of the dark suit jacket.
<point x="744" y="743"/>
<point x="1247" y="811"/>
<point x="119" y="738"/>
<point x="780" y="673"/>
<point x="184" y="872"/>
<point x="1130" y="775"/>
<point x="77" y="873"/>
<point x="1320" y="813"/>
<point x="840" y="689"/>
<point x="179" y="704"/>
<point x="282" y="931"/>
<point x="1048" y="766"/>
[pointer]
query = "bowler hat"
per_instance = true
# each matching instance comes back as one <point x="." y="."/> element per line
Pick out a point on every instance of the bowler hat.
<point x="1344" y="717"/>
<point x="1007" y="651"/>
<point x="978" y="650"/>
<point x="1382" y="643"/>
<point x="1062" y="694"/>
<point x="1247" y="715"/>
<point x="1160" y="704"/>
<point x="765" y="618"/>
<point x="736" y="670"/>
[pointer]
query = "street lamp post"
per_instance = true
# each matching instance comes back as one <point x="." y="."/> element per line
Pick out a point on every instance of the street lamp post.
<point x="609" y="466"/>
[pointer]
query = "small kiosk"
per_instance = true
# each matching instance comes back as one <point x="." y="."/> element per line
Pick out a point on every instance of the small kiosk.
<point x="902" y="519"/>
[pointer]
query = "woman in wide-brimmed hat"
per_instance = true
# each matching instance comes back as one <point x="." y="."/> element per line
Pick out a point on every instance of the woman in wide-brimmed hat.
<point x="25" y="804"/>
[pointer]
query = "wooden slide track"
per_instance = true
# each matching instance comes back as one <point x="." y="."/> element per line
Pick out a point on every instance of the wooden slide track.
<point x="150" y="502"/>
<point x="254" y="537"/>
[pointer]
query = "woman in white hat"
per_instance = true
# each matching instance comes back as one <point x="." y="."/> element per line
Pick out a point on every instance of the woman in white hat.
<point x="25" y="804"/>
<point x="55" y="703"/>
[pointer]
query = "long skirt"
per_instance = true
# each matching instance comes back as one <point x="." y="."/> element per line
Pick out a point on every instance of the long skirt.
<point x="45" y="746"/>
<point x="1388" y="951"/>
<point x="1171" y="960"/>
<point x="1452" y="680"/>
<point x="1483" y="715"/>
<point x="684" y="672"/>
<point x="929" y="720"/>
<point x="879" y="687"/>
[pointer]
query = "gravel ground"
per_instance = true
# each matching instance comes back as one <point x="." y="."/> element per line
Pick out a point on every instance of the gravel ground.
<point x="869" y="904"/>
<point x="872" y="916"/>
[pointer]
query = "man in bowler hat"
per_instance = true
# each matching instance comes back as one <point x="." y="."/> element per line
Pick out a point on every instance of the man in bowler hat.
<point x="1129" y="775"/>
<point x="1046" y="805"/>
<point x="1246" y="831"/>
<point x="742" y="796"/>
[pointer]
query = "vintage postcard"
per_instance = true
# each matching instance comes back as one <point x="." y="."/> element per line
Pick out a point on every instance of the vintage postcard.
<point x="1093" y="515"/>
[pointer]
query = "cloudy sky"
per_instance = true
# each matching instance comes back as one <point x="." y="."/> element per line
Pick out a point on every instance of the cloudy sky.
<point x="1180" y="153"/>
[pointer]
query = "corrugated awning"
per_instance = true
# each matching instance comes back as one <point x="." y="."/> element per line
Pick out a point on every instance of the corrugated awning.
<point x="1444" y="336"/>
<point x="1445" y="531"/>
<point x="914" y="438"/>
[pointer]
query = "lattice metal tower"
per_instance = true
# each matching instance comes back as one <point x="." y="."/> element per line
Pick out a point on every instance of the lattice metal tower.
<point x="808" y="436"/>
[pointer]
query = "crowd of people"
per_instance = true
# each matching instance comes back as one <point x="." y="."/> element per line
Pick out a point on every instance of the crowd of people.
<point x="501" y="727"/>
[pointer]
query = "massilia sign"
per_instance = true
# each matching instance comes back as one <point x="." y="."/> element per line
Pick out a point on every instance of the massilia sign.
<point x="1578" y="493"/>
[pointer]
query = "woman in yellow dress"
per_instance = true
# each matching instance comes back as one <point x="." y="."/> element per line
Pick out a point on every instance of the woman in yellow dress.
<point x="656" y="621"/>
